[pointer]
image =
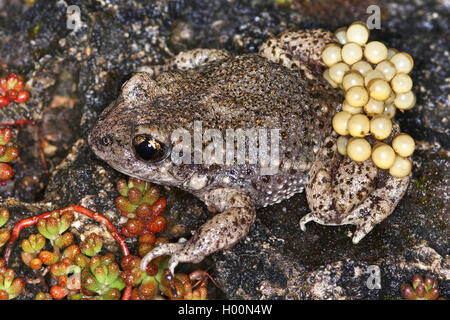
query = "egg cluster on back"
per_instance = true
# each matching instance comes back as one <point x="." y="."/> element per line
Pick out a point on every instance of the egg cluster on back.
<point x="376" y="82"/>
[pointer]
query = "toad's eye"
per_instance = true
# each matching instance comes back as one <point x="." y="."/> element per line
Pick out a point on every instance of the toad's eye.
<point x="149" y="149"/>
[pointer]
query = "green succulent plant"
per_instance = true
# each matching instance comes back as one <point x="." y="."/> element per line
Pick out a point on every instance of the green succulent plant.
<point x="53" y="228"/>
<point x="102" y="277"/>
<point x="10" y="287"/>
<point x="92" y="245"/>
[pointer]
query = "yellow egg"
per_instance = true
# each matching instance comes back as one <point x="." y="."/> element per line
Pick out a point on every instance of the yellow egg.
<point x="405" y="101"/>
<point x="379" y="89"/>
<point x="347" y="107"/>
<point x="375" y="52"/>
<point x="390" y="110"/>
<point x="351" y="53"/>
<point x="387" y="68"/>
<point x="373" y="107"/>
<point x="381" y="126"/>
<point x="391" y="52"/>
<point x="404" y="145"/>
<point x="373" y="74"/>
<point x="352" y="79"/>
<point x="403" y="62"/>
<point x="340" y="121"/>
<point x="358" y="125"/>
<point x="357" y="96"/>
<point x="337" y="71"/>
<point x="362" y="67"/>
<point x="383" y="156"/>
<point x="340" y="35"/>
<point x="358" y="33"/>
<point x="331" y="54"/>
<point x="390" y="99"/>
<point x="341" y="144"/>
<point x="326" y="75"/>
<point x="401" y="167"/>
<point x="358" y="149"/>
<point x="401" y="83"/>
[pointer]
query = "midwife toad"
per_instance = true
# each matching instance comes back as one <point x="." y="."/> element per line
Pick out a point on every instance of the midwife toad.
<point x="279" y="88"/>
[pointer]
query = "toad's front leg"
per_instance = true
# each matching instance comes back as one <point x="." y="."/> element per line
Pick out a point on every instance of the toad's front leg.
<point x="221" y="232"/>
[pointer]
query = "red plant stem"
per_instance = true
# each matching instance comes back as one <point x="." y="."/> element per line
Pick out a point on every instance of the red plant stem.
<point x="21" y="122"/>
<point x="82" y="210"/>
<point x="18" y="228"/>
<point x="127" y="293"/>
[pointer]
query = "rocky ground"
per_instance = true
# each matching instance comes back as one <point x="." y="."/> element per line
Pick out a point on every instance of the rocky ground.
<point x="73" y="74"/>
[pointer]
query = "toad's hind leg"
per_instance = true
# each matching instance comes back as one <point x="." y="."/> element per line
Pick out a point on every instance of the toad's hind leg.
<point x="188" y="60"/>
<point x="377" y="206"/>
<point x="341" y="191"/>
<point x="219" y="233"/>
<point x="300" y="49"/>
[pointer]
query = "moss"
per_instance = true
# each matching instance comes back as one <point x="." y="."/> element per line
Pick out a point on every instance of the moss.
<point x="34" y="31"/>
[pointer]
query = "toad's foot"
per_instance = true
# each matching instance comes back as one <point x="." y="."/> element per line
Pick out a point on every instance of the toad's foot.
<point x="219" y="233"/>
<point x="341" y="191"/>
